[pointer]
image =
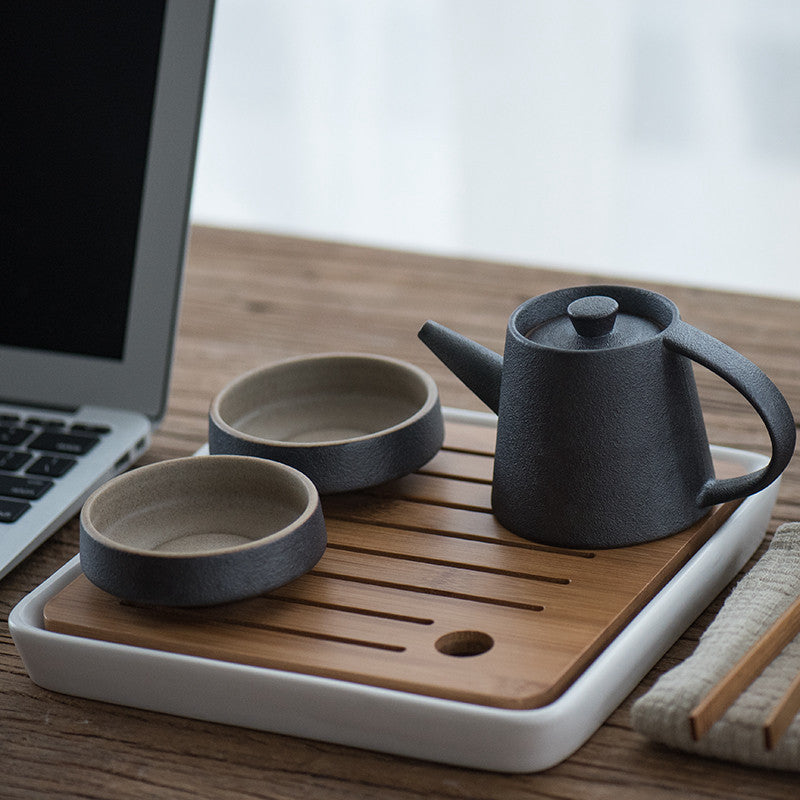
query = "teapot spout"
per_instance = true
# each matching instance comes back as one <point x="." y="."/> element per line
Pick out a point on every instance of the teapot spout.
<point x="477" y="367"/>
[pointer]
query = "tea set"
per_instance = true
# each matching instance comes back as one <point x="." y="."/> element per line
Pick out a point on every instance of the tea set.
<point x="600" y="443"/>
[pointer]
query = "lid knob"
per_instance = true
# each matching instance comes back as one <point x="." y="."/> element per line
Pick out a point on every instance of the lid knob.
<point x="593" y="316"/>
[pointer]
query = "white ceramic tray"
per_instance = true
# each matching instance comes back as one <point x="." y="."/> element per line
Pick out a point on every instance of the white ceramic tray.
<point x="387" y="720"/>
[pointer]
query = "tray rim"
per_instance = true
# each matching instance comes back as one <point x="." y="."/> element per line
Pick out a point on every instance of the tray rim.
<point x="387" y="720"/>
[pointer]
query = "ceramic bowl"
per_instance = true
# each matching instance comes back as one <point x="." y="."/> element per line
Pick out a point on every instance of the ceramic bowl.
<point x="348" y="421"/>
<point x="201" y="530"/>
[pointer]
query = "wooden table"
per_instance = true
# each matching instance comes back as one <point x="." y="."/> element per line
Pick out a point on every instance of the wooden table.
<point x="253" y="298"/>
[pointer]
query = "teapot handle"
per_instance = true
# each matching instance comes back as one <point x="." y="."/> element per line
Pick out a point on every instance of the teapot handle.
<point x="759" y="391"/>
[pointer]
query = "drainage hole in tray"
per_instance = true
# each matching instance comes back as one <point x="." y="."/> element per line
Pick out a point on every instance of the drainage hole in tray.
<point x="464" y="643"/>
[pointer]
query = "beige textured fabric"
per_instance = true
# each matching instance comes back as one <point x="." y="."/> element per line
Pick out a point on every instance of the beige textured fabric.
<point x="759" y="598"/>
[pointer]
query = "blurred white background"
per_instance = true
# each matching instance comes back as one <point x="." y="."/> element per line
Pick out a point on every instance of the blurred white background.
<point x="637" y="138"/>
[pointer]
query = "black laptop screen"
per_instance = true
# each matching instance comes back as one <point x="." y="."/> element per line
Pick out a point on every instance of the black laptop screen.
<point x="76" y="98"/>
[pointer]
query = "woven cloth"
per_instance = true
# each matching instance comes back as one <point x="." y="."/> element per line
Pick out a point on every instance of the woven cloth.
<point x="757" y="600"/>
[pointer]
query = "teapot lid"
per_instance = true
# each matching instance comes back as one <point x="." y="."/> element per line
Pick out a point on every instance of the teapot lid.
<point x="593" y="322"/>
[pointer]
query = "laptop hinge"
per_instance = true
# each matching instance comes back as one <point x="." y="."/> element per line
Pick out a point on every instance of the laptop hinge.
<point x="39" y="406"/>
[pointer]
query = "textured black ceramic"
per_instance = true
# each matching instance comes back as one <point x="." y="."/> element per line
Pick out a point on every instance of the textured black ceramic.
<point x="201" y="531"/>
<point x="600" y="438"/>
<point x="347" y="420"/>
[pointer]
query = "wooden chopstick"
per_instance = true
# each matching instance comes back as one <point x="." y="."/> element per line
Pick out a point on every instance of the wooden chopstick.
<point x="744" y="672"/>
<point x="783" y="714"/>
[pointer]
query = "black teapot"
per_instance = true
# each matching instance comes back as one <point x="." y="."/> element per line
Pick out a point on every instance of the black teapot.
<point x="600" y="436"/>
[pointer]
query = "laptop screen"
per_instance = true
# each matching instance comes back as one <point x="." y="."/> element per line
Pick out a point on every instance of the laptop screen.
<point x="101" y="105"/>
<point x="73" y="166"/>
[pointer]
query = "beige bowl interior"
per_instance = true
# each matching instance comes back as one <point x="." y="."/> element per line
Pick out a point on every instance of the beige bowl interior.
<point x="198" y="505"/>
<point x="326" y="399"/>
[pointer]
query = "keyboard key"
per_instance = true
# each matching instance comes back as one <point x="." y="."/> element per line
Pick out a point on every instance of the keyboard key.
<point x="68" y="443"/>
<point x="12" y="510"/>
<point x="23" y="488"/>
<point x="81" y="427"/>
<point x="13" y="435"/>
<point x="12" y="460"/>
<point x="51" y="466"/>
<point x="45" y="423"/>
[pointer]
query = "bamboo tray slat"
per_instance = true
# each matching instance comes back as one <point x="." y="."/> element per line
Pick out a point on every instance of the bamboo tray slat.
<point x="420" y="590"/>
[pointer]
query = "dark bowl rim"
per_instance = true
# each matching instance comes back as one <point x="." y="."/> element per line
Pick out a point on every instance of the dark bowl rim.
<point x="299" y="525"/>
<point x="429" y="406"/>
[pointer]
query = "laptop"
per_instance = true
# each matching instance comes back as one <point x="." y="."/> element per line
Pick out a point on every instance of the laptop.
<point x="101" y="105"/>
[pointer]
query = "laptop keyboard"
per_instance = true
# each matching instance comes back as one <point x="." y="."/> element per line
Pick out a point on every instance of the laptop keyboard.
<point x="34" y="453"/>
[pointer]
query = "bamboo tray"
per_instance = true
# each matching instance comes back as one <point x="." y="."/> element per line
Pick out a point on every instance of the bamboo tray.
<point x="422" y="608"/>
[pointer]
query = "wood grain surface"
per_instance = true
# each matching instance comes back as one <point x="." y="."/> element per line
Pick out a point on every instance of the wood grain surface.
<point x="252" y="298"/>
